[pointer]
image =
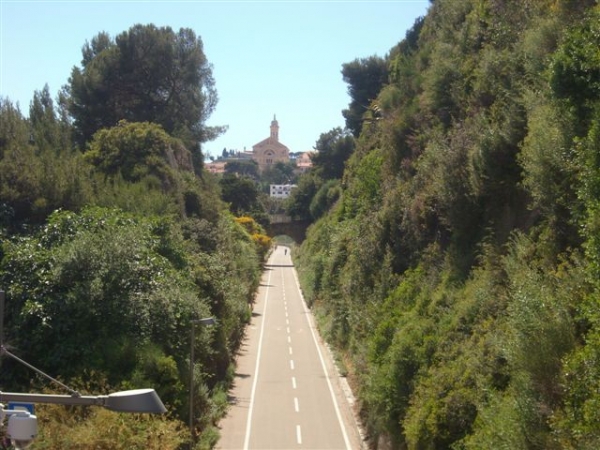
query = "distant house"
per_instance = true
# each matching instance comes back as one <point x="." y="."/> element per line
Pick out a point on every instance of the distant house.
<point x="270" y="151"/>
<point x="216" y="166"/>
<point x="281" y="190"/>
<point x="304" y="162"/>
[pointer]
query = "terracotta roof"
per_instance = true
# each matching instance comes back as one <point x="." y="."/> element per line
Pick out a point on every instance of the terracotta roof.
<point x="269" y="141"/>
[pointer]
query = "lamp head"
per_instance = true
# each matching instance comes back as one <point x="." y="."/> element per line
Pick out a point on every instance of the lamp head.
<point x="22" y="430"/>
<point x="135" y="401"/>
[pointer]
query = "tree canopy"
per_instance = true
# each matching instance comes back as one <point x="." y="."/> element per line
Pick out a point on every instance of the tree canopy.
<point x="365" y="77"/>
<point x="137" y="150"/>
<point x="241" y="193"/>
<point x="145" y="74"/>
<point x="332" y="151"/>
<point x="319" y="189"/>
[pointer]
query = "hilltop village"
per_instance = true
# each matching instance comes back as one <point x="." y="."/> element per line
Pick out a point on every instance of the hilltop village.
<point x="265" y="153"/>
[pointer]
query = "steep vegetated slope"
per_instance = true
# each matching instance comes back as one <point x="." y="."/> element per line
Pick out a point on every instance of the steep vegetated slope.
<point x="113" y="240"/>
<point x="457" y="273"/>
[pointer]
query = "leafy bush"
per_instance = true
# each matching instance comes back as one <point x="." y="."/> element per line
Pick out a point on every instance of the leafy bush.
<point x="137" y="150"/>
<point x="109" y="296"/>
<point x="257" y="234"/>
<point x="88" y="267"/>
<point x="457" y="275"/>
<point x="99" y="429"/>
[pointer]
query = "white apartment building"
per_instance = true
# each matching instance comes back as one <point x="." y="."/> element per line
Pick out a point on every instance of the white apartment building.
<point x="281" y="190"/>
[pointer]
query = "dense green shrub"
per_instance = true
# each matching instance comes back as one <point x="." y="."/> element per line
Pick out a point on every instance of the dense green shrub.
<point x="67" y="284"/>
<point x="458" y="273"/>
<point x="113" y="244"/>
<point x="109" y="296"/>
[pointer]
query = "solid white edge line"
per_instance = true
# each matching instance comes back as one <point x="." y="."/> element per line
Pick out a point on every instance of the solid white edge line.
<point x="258" y="353"/>
<point x="312" y="331"/>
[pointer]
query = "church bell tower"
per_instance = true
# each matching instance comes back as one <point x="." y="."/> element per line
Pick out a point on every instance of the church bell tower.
<point x="275" y="129"/>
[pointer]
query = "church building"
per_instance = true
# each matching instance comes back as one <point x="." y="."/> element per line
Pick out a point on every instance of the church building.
<point x="270" y="151"/>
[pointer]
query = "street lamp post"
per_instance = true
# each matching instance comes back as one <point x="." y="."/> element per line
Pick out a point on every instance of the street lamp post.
<point x="133" y="401"/>
<point x="22" y="425"/>
<point x="206" y="321"/>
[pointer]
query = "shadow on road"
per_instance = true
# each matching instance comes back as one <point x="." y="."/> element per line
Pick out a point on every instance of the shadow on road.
<point x="242" y="375"/>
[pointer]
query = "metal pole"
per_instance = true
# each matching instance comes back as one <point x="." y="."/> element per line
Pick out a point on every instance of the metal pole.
<point x="2" y="298"/>
<point x="132" y="401"/>
<point x="83" y="400"/>
<point x="192" y="387"/>
<point x="3" y="351"/>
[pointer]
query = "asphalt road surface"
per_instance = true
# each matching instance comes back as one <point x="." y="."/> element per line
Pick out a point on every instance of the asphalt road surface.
<point x="287" y="393"/>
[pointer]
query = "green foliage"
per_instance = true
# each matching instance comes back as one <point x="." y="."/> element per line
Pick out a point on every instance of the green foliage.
<point x="575" y="69"/>
<point x="242" y="196"/>
<point x="298" y="204"/>
<point x="143" y="197"/>
<point x="365" y="77"/>
<point x="590" y="192"/>
<point x="154" y="368"/>
<point x="363" y="190"/>
<point x="257" y="234"/>
<point x="170" y="85"/>
<point x="111" y="295"/>
<point x="88" y="267"/>
<point x="504" y="423"/>
<point x="50" y="128"/>
<point x="136" y="151"/>
<point x="318" y="190"/>
<point x="325" y="198"/>
<point x="278" y="173"/>
<point x="458" y="273"/>
<point x="108" y="256"/>
<point x="40" y="170"/>
<point x="578" y="425"/>
<point x="333" y="150"/>
<point x="144" y="169"/>
<point x="99" y="429"/>
<point x="547" y="160"/>
<point x="243" y="168"/>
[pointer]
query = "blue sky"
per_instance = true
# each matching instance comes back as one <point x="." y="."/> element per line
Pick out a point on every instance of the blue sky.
<point x="269" y="57"/>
